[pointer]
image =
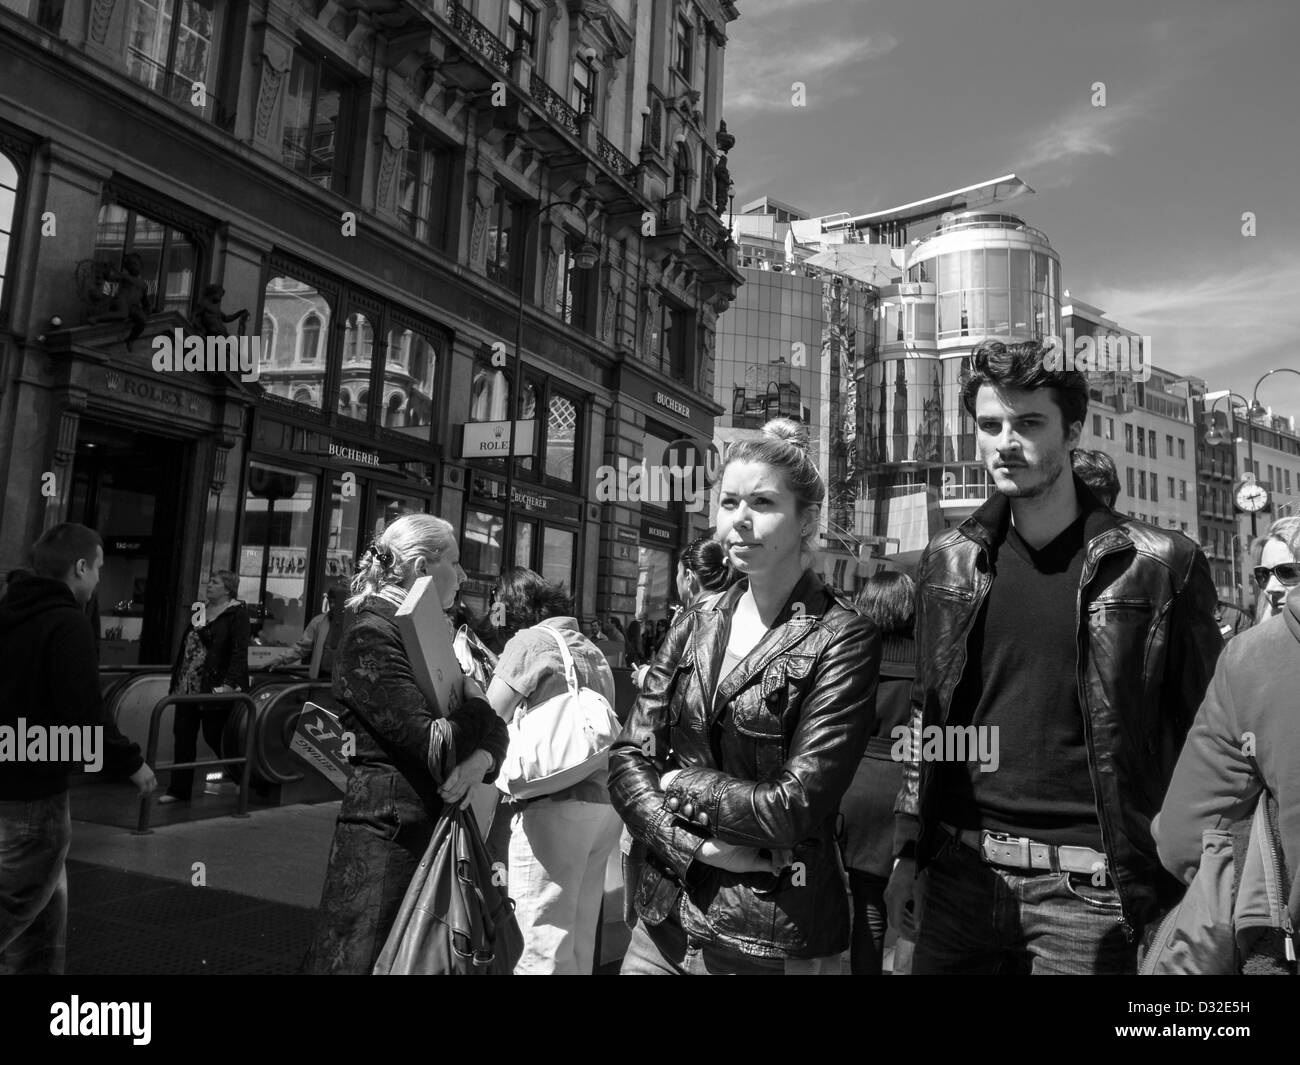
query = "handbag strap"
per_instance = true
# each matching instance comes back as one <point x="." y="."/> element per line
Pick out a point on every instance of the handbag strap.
<point x="570" y="673"/>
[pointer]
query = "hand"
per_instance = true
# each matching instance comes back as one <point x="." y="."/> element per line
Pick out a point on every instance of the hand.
<point x="734" y="858"/>
<point x="638" y="676"/>
<point x="455" y="789"/>
<point x="221" y="689"/>
<point x="144" y="780"/>
<point x="900" y="897"/>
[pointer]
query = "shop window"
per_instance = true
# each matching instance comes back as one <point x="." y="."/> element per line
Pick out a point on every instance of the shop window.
<point x="275" y="542"/>
<point x="422" y="192"/>
<point x="169" y="257"/>
<point x="521" y="28"/>
<point x="561" y="438"/>
<point x="389" y="506"/>
<point x="504" y="258"/>
<point x="342" y="534"/>
<point x="488" y="395"/>
<point x="299" y="316"/>
<point x="171" y="46"/>
<point x="481" y="546"/>
<point x="557" y="555"/>
<point x="654" y="587"/>
<point x="409" y="374"/>
<point x="528" y="413"/>
<point x="8" y="209"/>
<point x="315" y="137"/>
<point x="358" y="354"/>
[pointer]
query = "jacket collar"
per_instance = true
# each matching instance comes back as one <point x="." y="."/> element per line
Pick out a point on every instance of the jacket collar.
<point x="898" y="656"/>
<point x="1101" y="529"/>
<point x="713" y="628"/>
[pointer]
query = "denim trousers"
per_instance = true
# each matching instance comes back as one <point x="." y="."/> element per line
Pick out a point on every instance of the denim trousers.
<point x="667" y="949"/>
<point x="973" y="917"/>
<point x="34" y="837"/>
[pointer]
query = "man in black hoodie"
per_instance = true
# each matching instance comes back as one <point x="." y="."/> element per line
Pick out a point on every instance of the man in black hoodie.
<point x="50" y="707"/>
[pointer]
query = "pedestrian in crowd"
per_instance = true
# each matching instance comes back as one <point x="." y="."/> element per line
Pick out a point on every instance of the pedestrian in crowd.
<point x="320" y="639"/>
<point x="748" y="730"/>
<point x="1245" y="738"/>
<point x="661" y="633"/>
<point x="613" y="650"/>
<point x="635" y="643"/>
<point x="559" y="843"/>
<point x="702" y="570"/>
<point x="1097" y="470"/>
<point x="867" y="810"/>
<point x="48" y="680"/>
<point x="213" y="659"/>
<point x="1077" y="644"/>
<point x="1276" y="556"/>
<point x="614" y="629"/>
<point x="398" y="784"/>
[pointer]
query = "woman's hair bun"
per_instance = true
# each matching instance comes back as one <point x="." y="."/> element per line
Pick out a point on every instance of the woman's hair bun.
<point x="789" y="430"/>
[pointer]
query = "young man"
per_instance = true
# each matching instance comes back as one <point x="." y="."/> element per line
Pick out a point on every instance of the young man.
<point x="1086" y="641"/>
<point x="49" y="685"/>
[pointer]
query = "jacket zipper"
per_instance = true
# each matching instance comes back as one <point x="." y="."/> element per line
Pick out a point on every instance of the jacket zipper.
<point x="1089" y="569"/>
<point x="1283" y="903"/>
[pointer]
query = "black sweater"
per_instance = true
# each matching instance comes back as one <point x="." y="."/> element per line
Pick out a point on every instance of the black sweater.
<point x="49" y="677"/>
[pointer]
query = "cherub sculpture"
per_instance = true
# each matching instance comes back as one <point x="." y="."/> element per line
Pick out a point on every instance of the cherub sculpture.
<point x="130" y="303"/>
<point x="209" y="319"/>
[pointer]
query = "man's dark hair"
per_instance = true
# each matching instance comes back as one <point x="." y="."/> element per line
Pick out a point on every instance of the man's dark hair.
<point x="1097" y="470"/>
<point x="528" y="598"/>
<point x="1025" y="367"/>
<point x="889" y="599"/>
<point x="59" y="547"/>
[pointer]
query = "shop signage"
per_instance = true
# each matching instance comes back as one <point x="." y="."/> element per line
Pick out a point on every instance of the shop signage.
<point x="674" y="405"/>
<point x="492" y="439"/>
<point x="173" y="398"/>
<point x="527" y="498"/>
<point x="128" y="545"/>
<point x="353" y="454"/>
<point x="627" y="536"/>
<point x="291" y="563"/>
<point x="659" y="531"/>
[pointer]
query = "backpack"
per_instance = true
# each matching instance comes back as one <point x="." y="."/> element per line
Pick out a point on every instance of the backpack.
<point x="1234" y="918"/>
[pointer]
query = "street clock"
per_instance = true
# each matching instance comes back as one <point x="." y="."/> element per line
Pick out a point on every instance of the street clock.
<point x="1251" y="497"/>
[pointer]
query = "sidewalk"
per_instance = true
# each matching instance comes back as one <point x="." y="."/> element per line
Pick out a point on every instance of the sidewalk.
<point x="134" y="907"/>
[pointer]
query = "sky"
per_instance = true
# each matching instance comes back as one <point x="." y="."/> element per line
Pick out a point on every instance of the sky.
<point x="1143" y="198"/>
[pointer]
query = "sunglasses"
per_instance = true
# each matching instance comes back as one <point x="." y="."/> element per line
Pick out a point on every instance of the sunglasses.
<point x="1287" y="574"/>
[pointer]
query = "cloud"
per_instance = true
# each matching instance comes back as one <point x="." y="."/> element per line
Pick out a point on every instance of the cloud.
<point x="761" y="70"/>
<point x="1085" y="131"/>
<point x="1224" y="324"/>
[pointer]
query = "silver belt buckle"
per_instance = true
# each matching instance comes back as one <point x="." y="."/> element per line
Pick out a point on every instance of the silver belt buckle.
<point x="1016" y="849"/>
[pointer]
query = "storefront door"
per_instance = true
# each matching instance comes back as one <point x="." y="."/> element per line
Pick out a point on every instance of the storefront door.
<point x="126" y="486"/>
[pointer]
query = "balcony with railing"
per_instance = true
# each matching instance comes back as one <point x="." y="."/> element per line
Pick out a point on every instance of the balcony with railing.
<point x="484" y="42"/>
<point x="555" y="105"/>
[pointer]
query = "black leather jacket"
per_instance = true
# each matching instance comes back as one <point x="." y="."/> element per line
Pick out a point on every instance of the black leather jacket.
<point x="1147" y="642"/>
<point x="763" y="765"/>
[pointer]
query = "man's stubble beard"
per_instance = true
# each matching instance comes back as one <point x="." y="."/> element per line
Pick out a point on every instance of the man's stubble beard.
<point x="1051" y="469"/>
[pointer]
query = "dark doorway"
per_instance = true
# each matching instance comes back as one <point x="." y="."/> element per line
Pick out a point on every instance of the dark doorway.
<point x="127" y="487"/>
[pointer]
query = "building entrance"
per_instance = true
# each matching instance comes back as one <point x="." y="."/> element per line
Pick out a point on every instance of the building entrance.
<point x="125" y="486"/>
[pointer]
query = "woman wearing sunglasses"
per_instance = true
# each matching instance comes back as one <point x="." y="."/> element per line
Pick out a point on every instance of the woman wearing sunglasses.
<point x="1246" y="735"/>
<point x="1278" y="569"/>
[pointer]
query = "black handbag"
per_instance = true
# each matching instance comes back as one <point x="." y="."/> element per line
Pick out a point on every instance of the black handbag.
<point x="454" y="920"/>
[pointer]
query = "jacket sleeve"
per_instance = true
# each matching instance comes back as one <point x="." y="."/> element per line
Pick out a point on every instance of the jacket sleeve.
<point x="640" y="755"/>
<point x="306" y="645"/>
<point x="907" y="806"/>
<point x="1195" y="644"/>
<point x="835" y="721"/>
<point x="376" y="683"/>
<point x="74" y="689"/>
<point x="1215" y="784"/>
<point x="236" y="674"/>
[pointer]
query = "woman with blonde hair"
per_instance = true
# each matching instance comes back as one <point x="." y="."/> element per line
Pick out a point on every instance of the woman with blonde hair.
<point x="1277" y="566"/>
<point x="749" y="728"/>
<point x="399" y="783"/>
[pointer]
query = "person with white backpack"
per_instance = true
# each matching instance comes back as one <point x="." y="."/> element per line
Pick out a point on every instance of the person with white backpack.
<point x="563" y="826"/>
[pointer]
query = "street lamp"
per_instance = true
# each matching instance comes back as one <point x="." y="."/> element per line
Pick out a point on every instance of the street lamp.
<point x="1214" y="437"/>
<point x="1257" y="409"/>
<point x="1238" y="592"/>
<point x="584" y="258"/>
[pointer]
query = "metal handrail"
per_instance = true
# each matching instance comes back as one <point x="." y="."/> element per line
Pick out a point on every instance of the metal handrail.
<point x="292" y="690"/>
<point x="245" y="701"/>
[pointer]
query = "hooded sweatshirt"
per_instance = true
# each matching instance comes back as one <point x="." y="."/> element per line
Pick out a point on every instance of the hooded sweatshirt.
<point x="50" y="703"/>
<point x="1246" y="736"/>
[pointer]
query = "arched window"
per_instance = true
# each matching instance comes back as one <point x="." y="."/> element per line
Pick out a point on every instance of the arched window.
<point x="310" y="333"/>
<point x="358" y="340"/>
<point x="303" y="395"/>
<point x="8" y="198"/>
<point x="399" y="346"/>
<point x="393" y="417"/>
<point x="345" y="401"/>
<point x="268" y="338"/>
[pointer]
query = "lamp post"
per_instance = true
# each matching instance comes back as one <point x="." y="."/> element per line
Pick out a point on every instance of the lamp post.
<point x="1215" y="438"/>
<point x="586" y="257"/>
<point x="1238" y="593"/>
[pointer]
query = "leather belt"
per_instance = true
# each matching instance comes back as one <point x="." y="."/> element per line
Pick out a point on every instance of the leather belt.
<point x="1017" y="852"/>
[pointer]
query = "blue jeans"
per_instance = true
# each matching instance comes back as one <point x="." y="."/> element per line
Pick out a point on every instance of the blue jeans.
<point x="34" y="839"/>
<point x="666" y="949"/>
<point x="978" y="918"/>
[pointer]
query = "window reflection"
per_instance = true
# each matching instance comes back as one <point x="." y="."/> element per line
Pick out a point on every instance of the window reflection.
<point x="274" y="566"/>
<point x="294" y="333"/>
<point x="358" y="349"/>
<point x="561" y="437"/>
<point x="488" y="392"/>
<point x="408" y="382"/>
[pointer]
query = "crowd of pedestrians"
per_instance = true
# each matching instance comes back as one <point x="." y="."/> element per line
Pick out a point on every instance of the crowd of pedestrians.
<point x="797" y="780"/>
